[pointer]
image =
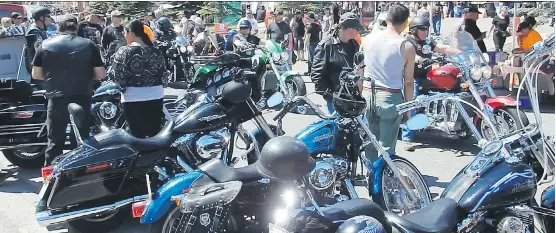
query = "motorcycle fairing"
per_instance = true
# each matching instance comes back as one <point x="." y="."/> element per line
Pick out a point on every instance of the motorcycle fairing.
<point x="161" y="199"/>
<point x="319" y="136"/>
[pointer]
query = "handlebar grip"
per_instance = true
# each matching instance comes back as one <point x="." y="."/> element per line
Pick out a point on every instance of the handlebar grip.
<point x="283" y="111"/>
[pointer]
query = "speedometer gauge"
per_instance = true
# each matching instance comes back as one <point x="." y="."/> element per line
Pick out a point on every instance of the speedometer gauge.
<point x="217" y="78"/>
<point x="226" y="73"/>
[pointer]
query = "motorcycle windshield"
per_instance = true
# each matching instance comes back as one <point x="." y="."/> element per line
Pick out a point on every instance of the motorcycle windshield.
<point x="182" y="41"/>
<point x="471" y="54"/>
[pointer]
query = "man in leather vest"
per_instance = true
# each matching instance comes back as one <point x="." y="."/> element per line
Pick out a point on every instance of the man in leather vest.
<point x="69" y="64"/>
<point x="34" y="37"/>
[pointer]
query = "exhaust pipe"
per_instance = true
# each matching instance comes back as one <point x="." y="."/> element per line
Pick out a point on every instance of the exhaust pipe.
<point x="46" y="218"/>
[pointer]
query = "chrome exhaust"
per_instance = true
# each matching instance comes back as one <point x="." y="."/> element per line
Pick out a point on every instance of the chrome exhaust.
<point x="46" y="218"/>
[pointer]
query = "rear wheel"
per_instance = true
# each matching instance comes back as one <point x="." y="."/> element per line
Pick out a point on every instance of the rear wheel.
<point x="175" y="221"/>
<point x="393" y="197"/>
<point x="100" y="223"/>
<point x="28" y="158"/>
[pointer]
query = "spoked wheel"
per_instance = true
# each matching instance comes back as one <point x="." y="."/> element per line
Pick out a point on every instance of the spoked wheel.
<point x="506" y="120"/>
<point x="296" y="87"/>
<point x="29" y="157"/>
<point x="393" y="197"/>
<point x="176" y="221"/>
<point x="100" y="223"/>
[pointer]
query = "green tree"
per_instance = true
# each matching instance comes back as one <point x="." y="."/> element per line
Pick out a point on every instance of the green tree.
<point x="211" y="11"/>
<point x="129" y="8"/>
<point x="189" y="8"/>
<point x="99" y="5"/>
<point x="302" y="6"/>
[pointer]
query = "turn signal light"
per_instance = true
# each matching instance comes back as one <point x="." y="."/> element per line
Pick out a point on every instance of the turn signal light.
<point x="46" y="172"/>
<point x="464" y="85"/>
<point x="138" y="208"/>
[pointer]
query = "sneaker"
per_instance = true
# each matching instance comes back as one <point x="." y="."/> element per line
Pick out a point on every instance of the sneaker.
<point x="408" y="146"/>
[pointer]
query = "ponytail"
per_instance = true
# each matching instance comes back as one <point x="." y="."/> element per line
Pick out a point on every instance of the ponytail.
<point x="141" y="30"/>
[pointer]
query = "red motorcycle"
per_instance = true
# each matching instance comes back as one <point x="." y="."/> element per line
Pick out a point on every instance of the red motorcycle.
<point x="468" y="77"/>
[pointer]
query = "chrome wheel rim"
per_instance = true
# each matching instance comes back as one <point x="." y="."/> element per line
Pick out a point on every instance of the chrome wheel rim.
<point x="395" y="197"/>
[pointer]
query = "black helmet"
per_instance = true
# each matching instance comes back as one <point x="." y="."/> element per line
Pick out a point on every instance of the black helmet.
<point x="361" y="224"/>
<point x="164" y="24"/>
<point x="285" y="158"/>
<point x="348" y="101"/>
<point x="244" y="24"/>
<point x="419" y="22"/>
<point x="39" y="12"/>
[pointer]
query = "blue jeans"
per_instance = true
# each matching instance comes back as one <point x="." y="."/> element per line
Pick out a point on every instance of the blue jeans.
<point x="407" y="135"/>
<point x="312" y="47"/>
<point x="436" y="24"/>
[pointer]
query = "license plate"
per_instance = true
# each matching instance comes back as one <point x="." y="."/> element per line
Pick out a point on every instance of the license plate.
<point x="43" y="190"/>
<point x="276" y="229"/>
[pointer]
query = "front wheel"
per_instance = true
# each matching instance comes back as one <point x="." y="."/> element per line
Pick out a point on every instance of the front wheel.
<point x="175" y="222"/>
<point x="507" y="120"/>
<point x="392" y="196"/>
<point x="28" y="158"/>
<point x="296" y="87"/>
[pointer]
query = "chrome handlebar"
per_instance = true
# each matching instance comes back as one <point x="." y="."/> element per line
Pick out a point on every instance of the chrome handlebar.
<point x="312" y="105"/>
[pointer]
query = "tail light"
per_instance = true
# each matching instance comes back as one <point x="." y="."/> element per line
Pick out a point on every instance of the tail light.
<point x="138" y="208"/>
<point x="46" y="172"/>
<point x="22" y="115"/>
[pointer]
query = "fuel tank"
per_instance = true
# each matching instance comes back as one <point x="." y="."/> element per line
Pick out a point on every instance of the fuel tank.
<point x="443" y="78"/>
<point x="107" y="90"/>
<point x="491" y="183"/>
<point x="320" y="136"/>
<point x="92" y="174"/>
<point x="202" y="116"/>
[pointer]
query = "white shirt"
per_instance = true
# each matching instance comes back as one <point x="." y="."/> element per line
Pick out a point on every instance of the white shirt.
<point x="384" y="62"/>
<point x="254" y="24"/>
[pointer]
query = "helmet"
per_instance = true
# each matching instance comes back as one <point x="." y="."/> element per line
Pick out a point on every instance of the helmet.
<point x="361" y="224"/>
<point x="348" y="101"/>
<point x="285" y="158"/>
<point x="244" y="24"/>
<point x="164" y="24"/>
<point x="380" y="22"/>
<point x="39" y="12"/>
<point x="419" y="22"/>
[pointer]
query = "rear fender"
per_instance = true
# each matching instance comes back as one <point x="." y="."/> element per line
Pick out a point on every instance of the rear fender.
<point x="161" y="202"/>
<point x="497" y="102"/>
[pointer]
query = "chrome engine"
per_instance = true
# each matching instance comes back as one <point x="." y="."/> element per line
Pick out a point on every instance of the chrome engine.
<point x="443" y="115"/>
<point x="204" y="146"/>
<point x="106" y="116"/>
<point x="327" y="176"/>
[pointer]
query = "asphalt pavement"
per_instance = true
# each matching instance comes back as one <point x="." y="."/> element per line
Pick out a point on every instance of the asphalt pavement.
<point x="439" y="159"/>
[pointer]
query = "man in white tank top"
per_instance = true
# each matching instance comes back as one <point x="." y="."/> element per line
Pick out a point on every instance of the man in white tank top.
<point x="389" y="65"/>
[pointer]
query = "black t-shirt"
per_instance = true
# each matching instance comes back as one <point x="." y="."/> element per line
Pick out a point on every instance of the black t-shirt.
<point x="277" y="31"/>
<point x="424" y="49"/>
<point x="299" y="28"/>
<point x="314" y="31"/>
<point x="437" y="10"/>
<point x="97" y="59"/>
<point x="501" y="24"/>
<point x="89" y="31"/>
<point x="473" y="29"/>
<point x="113" y="38"/>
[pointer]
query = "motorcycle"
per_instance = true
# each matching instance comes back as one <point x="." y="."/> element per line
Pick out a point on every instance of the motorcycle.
<point x="338" y="143"/>
<point x="496" y="191"/>
<point x="180" y="53"/>
<point x="90" y="185"/>
<point x="469" y="75"/>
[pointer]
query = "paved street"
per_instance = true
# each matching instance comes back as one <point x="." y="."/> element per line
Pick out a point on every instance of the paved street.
<point x="439" y="160"/>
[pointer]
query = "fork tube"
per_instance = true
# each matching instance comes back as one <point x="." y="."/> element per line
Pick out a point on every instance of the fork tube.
<point x="261" y="122"/>
<point x="468" y="120"/>
<point x="476" y="95"/>
<point x="386" y="158"/>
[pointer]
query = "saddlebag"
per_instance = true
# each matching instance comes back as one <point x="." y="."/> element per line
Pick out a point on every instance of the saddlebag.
<point x="208" y="208"/>
<point x="99" y="175"/>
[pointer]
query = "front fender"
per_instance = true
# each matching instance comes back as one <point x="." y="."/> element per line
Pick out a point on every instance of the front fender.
<point x="497" y="102"/>
<point x="157" y="207"/>
<point x="290" y="74"/>
<point x="547" y="199"/>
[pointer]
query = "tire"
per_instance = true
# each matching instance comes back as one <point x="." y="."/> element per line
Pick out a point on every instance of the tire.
<point x="25" y="159"/>
<point x="261" y="139"/>
<point x="299" y="86"/>
<point x="380" y="198"/>
<point x="509" y="111"/>
<point x="105" y="223"/>
<point x="166" y="223"/>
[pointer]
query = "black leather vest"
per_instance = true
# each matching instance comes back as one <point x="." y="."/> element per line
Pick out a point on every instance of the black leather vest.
<point x="68" y="66"/>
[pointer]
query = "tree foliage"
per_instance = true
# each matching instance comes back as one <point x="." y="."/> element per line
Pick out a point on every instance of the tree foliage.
<point x="129" y="8"/>
<point x="302" y="6"/>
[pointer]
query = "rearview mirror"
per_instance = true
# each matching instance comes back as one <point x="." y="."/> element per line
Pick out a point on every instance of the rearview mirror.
<point x="275" y="100"/>
<point x="417" y="122"/>
<point x="358" y="59"/>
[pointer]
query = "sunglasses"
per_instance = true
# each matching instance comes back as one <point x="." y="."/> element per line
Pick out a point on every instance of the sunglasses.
<point x="423" y="28"/>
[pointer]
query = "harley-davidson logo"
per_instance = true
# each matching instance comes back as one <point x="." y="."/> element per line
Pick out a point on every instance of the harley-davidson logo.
<point x="211" y="118"/>
<point x="205" y="219"/>
<point x="322" y="137"/>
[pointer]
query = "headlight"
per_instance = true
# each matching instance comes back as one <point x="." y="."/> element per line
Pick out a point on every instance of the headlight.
<point x="492" y="147"/>
<point x="276" y="57"/>
<point x="190" y="49"/>
<point x="323" y="176"/>
<point x="486" y="71"/>
<point x="476" y="73"/>
<point x="285" y="56"/>
<point x="183" y="49"/>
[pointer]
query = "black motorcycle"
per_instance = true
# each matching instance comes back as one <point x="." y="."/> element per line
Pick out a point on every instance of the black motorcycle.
<point x="179" y="53"/>
<point x="89" y="185"/>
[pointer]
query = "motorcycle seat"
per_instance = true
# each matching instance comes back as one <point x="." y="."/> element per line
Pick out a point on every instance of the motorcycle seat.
<point x="120" y="136"/>
<point x="438" y="217"/>
<point x="355" y="207"/>
<point x="218" y="171"/>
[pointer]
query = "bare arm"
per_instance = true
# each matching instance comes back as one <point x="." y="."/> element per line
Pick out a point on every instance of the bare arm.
<point x="490" y="30"/>
<point x="445" y="49"/>
<point x="37" y="73"/>
<point x="409" y="67"/>
<point x="100" y="73"/>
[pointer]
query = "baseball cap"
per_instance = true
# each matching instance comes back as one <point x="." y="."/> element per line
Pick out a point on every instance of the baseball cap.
<point x="16" y="15"/>
<point x="96" y="12"/>
<point x="471" y="9"/>
<point x="350" y="20"/>
<point x="116" y="13"/>
<point x="523" y="25"/>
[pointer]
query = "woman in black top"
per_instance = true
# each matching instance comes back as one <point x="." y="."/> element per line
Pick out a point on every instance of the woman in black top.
<point x="500" y="24"/>
<point x="139" y="68"/>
